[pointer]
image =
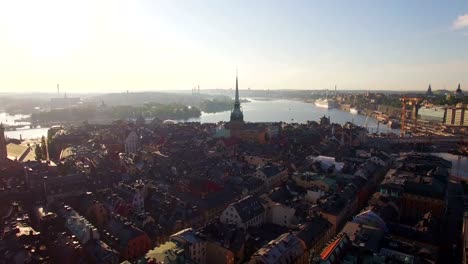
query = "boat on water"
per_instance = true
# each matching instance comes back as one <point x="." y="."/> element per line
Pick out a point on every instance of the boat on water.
<point x="353" y="109"/>
<point x="325" y="103"/>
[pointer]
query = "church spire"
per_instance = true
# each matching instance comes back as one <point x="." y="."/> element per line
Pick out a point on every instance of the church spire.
<point x="429" y="93"/>
<point x="237" y="114"/>
<point x="237" y="91"/>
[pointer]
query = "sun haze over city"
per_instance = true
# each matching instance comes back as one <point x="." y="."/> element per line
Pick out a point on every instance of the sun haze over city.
<point x="90" y="46"/>
<point x="233" y="131"/>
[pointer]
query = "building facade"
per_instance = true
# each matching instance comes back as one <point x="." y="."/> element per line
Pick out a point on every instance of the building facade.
<point x="244" y="213"/>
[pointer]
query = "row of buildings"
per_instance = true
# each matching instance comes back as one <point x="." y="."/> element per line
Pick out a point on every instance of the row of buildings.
<point x="404" y="221"/>
<point x="186" y="193"/>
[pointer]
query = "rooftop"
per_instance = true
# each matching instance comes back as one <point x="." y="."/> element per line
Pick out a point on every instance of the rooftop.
<point x="364" y="236"/>
<point x="336" y="244"/>
<point x="286" y="247"/>
<point x="249" y="207"/>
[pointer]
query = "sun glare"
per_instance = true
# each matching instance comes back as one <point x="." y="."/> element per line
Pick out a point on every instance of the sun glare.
<point x="46" y="28"/>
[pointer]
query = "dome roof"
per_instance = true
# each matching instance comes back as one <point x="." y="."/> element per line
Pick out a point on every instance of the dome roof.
<point x="370" y="218"/>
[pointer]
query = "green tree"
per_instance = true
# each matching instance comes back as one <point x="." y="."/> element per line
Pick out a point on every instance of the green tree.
<point x="43" y="147"/>
<point x="38" y="152"/>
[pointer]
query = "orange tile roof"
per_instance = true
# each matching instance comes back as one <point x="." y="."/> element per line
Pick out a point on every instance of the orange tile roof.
<point x="330" y="248"/>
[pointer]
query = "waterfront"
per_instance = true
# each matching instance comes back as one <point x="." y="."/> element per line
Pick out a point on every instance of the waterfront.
<point x="27" y="133"/>
<point x="11" y="120"/>
<point x="291" y="111"/>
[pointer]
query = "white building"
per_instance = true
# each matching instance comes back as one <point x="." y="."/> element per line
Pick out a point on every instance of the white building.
<point x="271" y="174"/>
<point x="248" y="211"/>
<point x="277" y="210"/>
<point x="280" y="214"/>
<point x="326" y="162"/>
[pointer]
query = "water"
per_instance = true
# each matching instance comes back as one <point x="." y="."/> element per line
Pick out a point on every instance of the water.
<point x="23" y="130"/>
<point x="265" y="111"/>
<point x="255" y="111"/>
<point x="10" y="119"/>
<point x="27" y="133"/>
<point x="291" y="111"/>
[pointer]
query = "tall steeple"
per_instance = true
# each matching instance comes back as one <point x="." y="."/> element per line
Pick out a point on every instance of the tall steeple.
<point x="237" y="102"/>
<point x="429" y="92"/>
<point x="459" y="93"/>
<point x="236" y="114"/>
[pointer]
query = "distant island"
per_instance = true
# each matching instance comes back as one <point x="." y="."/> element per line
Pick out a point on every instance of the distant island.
<point x="149" y="110"/>
<point x="218" y="105"/>
<point x="156" y="110"/>
<point x="117" y="112"/>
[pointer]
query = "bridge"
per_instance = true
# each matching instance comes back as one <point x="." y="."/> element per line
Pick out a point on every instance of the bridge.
<point x="419" y="139"/>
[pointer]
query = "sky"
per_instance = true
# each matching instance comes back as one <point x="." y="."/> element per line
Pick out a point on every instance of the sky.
<point x="143" y="45"/>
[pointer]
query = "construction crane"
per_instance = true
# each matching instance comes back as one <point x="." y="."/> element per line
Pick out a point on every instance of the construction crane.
<point x="414" y="102"/>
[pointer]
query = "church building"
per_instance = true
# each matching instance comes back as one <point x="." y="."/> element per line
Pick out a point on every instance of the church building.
<point x="236" y="122"/>
<point x="252" y="132"/>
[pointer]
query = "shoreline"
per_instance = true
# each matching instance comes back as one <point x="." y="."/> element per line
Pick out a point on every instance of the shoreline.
<point x="259" y="109"/>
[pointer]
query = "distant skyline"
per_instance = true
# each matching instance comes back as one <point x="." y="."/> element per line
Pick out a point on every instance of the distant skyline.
<point x="116" y="45"/>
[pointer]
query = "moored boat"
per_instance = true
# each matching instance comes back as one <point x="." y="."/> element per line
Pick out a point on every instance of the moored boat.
<point x="325" y="103"/>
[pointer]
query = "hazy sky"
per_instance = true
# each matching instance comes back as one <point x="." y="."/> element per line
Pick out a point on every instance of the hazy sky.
<point x="113" y="45"/>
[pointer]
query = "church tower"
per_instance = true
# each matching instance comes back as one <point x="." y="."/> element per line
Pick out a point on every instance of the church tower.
<point x="237" y="117"/>
<point x="459" y="93"/>
<point x="3" y="148"/>
<point x="429" y="93"/>
<point x="236" y="114"/>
